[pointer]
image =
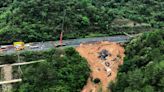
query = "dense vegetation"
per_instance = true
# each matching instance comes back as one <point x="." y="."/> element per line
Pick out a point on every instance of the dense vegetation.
<point x="41" y="20"/>
<point x="143" y="69"/>
<point x="63" y="71"/>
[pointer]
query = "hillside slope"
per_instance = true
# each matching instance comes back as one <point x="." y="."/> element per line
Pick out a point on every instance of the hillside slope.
<point x="63" y="71"/>
<point x="143" y="69"/>
<point x="105" y="68"/>
<point x="41" y="20"/>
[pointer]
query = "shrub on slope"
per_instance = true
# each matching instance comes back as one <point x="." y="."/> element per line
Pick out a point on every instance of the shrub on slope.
<point x="42" y="20"/>
<point x="64" y="71"/>
<point x="143" y="69"/>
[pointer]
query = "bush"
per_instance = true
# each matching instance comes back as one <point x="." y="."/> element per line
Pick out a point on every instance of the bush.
<point x="66" y="73"/>
<point x="43" y="20"/>
<point x="143" y="69"/>
<point x="97" y="80"/>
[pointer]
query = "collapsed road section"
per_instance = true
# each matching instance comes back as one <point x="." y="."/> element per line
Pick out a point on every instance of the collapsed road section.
<point x="40" y="46"/>
<point x="104" y="59"/>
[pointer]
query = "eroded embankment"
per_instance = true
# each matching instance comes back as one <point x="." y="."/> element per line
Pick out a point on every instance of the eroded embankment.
<point x="104" y="59"/>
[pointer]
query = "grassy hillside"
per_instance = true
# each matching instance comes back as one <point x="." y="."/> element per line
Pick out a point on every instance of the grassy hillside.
<point x="41" y="20"/>
<point x="63" y="71"/>
<point x="143" y="69"/>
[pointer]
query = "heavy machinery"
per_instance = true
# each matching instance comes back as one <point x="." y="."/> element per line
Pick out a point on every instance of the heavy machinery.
<point x="19" y="45"/>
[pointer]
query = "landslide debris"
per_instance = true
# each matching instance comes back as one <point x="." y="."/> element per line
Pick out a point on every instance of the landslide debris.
<point x="104" y="59"/>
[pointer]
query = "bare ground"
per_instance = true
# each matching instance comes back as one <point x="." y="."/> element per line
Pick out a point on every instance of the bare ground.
<point x="98" y="67"/>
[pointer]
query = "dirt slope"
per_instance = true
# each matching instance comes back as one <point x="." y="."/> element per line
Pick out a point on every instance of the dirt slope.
<point x="105" y="70"/>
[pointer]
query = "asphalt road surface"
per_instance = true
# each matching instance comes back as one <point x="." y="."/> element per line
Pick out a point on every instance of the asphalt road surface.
<point x="41" y="46"/>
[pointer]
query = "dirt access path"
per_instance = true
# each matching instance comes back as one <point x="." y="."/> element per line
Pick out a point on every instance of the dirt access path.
<point x="104" y="68"/>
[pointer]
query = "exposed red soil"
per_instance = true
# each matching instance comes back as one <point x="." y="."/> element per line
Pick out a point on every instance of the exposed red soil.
<point x="98" y="67"/>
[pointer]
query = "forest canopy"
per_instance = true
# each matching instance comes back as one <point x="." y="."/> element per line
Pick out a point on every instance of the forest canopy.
<point x="64" y="70"/>
<point x="143" y="69"/>
<point x="42" y="20"/>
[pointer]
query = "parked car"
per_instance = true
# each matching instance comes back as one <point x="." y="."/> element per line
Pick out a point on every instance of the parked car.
<point x="3" y="48"/>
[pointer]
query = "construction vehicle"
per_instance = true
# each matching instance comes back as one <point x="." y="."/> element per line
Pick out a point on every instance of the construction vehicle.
<point x="19" y="45"/>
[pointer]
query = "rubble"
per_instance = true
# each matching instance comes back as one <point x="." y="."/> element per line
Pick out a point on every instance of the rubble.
<point x="109" y="74"/>
<point x="107" y="64"/>
<point x="103" y="54"/>
<point x="99" y="57"/>
<point x="116" y="59"/>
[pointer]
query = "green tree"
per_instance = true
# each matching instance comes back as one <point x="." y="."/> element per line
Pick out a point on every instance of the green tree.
<point x="143" y="69"/>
